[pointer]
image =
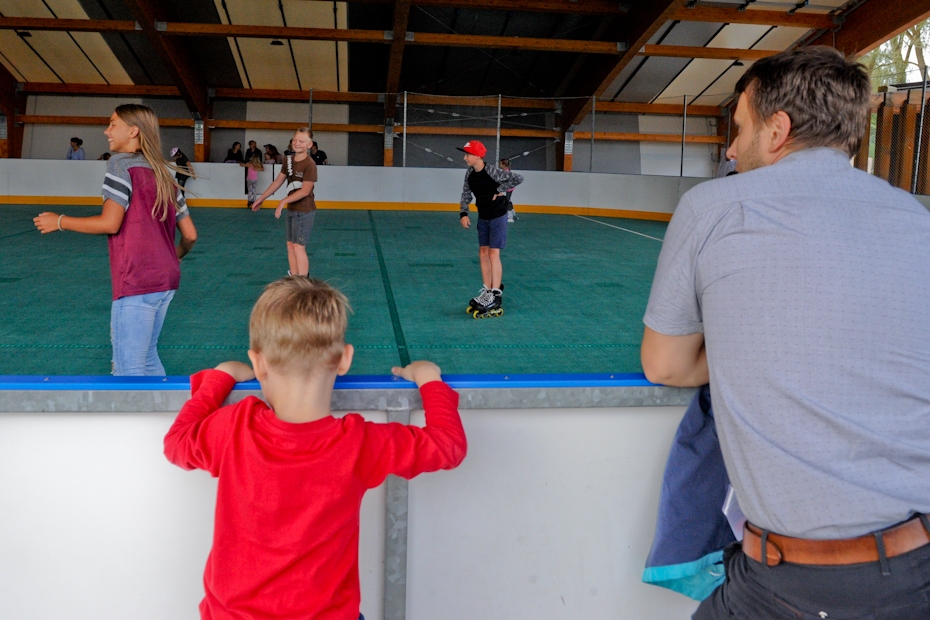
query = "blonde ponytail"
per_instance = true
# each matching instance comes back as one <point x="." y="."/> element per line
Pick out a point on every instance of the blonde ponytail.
<point x="144" y="118"/>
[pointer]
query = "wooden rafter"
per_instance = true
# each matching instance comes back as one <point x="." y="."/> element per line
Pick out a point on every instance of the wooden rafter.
<point x="353" y="128"/>
<point x="396" y="55"/>
<point x="874" y="22"/>
<point x="716" y="53"/>
<point x="125" y="90"/>
<point x="642" y="22"/>
<point x="571" y="7"/>
<point x="68" y="25"/>
<point x="170" y="30"/>
<point x="265" y="94"/>
<point x="397" y="39"/>
<point x="175" y="57"/>
<point x="7" y="92"/>
<point x="813" y="21"/>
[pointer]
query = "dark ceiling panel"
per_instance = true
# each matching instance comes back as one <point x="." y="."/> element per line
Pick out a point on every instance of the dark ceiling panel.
<point x="654" y="74"/>
<point x="213" y="58"/>
<point x="368" y="61"/>
<point x="460" y="71"/>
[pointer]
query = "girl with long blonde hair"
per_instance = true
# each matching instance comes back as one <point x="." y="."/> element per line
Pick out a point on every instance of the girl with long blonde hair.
<point x="142" y="206"/>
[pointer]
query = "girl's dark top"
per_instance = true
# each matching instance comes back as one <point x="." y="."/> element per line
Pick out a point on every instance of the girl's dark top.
<point x="231" y="156"/>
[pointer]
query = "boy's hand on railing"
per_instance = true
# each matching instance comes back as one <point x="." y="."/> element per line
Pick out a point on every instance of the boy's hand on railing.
<point x="420" y="372"/>
<point x="237" y="370"/>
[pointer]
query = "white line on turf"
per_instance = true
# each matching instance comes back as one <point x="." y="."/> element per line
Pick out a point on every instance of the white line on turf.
<point x="618" y="228"/>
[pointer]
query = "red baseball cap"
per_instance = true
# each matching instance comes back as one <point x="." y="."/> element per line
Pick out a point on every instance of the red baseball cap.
<point x="473" y="147"/>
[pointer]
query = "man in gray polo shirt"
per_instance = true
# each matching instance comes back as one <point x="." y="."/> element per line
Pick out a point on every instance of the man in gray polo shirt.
<point x="800" y="289"/>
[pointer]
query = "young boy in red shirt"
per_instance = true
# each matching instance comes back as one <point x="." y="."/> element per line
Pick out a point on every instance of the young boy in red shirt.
<point x="292" y="476"/>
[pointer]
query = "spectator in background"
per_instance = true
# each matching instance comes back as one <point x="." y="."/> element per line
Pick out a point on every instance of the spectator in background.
<point x="272" y="156"/>
<point x="104" y="157"/>
<point x="251" y="152"/>
<point x="234" y="155"/>
<point x="75" y="152"/>
<point x="183" y="164"/>
<point x="290" y="148"/>
<point x="318" y="156"/>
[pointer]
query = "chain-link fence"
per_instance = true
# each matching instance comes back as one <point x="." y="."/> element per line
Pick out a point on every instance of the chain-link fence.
<point x="896" y="147"/>
<point x="666" y="139"/>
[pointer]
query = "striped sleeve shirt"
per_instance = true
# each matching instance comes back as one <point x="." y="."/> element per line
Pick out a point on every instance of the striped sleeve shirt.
<point x="117" y="183"/>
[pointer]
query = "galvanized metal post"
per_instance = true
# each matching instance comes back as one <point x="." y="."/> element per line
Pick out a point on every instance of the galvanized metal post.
<point x="310" y="117"/>
<point x="395" y="538"/>
<point x="920" y="133"/>
<point x="593" y="121"/>
<point x="684" y="123"/>
<point x="497" y="148"/>
<point x="405" y="130"/>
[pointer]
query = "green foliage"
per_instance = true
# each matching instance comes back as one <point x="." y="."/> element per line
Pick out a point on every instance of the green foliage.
<point x="889" y="62"/>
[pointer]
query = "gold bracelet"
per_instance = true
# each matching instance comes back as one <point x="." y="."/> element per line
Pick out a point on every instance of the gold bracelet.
<point x="59" y="221"/>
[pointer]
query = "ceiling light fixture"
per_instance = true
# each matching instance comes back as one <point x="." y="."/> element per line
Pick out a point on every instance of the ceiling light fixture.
<point x="277" y="42"/>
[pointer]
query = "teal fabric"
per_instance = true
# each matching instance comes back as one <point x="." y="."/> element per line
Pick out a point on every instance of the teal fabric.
<point x="695" y="579"/>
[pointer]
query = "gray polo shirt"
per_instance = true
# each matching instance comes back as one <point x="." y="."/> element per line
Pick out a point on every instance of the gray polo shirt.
<point x="811" y="283"/>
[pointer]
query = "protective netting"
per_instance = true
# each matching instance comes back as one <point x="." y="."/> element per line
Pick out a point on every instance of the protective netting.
<point x="898" y="139"/>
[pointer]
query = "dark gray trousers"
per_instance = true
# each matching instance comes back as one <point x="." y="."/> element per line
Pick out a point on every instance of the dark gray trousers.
<point x="794" y="591"/>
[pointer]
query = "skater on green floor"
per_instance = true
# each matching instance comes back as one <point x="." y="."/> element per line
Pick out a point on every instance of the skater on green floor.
<point x="489" y="185"/>
<point x="299" y="172"/>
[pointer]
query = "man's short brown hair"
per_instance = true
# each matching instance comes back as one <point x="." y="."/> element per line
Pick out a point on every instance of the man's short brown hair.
<point x="825" y="95"/>
<point x="299" y="324"/>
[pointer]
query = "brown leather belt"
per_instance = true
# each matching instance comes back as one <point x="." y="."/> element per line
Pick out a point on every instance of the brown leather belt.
<point x="874" y="547"/>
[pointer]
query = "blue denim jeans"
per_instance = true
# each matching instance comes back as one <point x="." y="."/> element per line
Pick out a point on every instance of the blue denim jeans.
<point x="135" y="323"/>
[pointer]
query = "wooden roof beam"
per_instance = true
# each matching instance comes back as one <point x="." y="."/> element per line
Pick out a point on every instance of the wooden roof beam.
<point x="68" y="25"/>
<point x="813" y="21"/>
<point x="714" y="53"/>
<point x="186" y="78"/>
<point x="570" y="7"/>
<point x="871" y="24"/>
<point x="7" y="93"/>
<point x="321" y="96"/>
<point x="396" y="56"/>
<point x="126" y="90"/>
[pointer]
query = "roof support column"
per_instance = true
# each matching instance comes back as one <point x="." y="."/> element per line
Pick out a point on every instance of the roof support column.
<point x="201" y="141"/>
<point x="388" y="141"/>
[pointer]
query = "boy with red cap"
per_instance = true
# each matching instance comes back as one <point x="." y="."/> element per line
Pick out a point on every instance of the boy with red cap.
<point x="489" y="185"/>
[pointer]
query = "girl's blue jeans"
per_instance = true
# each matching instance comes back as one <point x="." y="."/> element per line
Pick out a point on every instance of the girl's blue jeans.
<point x="135" y="323"/>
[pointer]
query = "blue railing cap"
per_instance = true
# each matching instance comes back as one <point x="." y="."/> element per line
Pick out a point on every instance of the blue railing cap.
<point x="351" y="382"/>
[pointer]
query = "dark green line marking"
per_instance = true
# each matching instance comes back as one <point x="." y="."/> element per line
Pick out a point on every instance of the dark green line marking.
<point x="392" y="307"/>
<point x="25" y="232"/>
<point x="9" y="280"/>
<point x="345" y="253"/>
<point x="437" y="265"/>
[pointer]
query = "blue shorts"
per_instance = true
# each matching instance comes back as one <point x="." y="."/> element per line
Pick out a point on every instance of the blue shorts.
<point x="493" y="233"/>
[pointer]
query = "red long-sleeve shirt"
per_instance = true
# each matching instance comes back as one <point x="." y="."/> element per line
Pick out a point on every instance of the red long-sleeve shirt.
<point x="285" y="541"/>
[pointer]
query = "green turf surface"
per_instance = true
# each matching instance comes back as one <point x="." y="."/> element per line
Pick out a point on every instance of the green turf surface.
<point x="574" y="299"/>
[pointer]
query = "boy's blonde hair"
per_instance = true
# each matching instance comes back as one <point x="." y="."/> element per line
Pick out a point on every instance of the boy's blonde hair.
<point x="299" y="324"/>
